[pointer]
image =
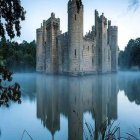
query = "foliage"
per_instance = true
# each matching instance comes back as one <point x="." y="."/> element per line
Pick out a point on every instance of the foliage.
<point x="130" y="57"/>
<point x="11" y="92"/>
<point x="107" y="130"/>
<point x="18" y="57"/>
<point x="11" y="14"/>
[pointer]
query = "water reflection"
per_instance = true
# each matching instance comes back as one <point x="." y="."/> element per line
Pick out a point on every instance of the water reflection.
<point x="28" y="85"/>
<point x="73" y="97"/>
<point x="130" y="84"/>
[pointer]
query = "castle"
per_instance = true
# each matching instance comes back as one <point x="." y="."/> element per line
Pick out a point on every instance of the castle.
<point x="71" y="52"/>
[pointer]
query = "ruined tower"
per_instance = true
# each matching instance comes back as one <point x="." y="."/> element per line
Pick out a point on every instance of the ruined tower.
<point x="113" y="42"/>
<point x="40" y="59"/>
<point x="102" y="47"/>
<point x="52" y="31"/>
<point x="75" y="35"/>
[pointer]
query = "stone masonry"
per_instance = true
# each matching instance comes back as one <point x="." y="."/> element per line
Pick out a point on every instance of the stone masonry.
<point x="73" y="53"/>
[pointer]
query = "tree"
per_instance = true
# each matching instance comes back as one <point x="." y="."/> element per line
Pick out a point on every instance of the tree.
<point x="11" y="14"/>
<point x="11" y="92"/>
<point x="18" y="57"/>
<point x="130" y="57"/>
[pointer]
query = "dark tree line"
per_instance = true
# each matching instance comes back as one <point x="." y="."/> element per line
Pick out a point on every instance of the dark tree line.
<point x="130" y="57"/>
<point x="18" y="57"/>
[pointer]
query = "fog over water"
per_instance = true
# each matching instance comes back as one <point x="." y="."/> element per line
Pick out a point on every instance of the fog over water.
<point x="58" y="106"/>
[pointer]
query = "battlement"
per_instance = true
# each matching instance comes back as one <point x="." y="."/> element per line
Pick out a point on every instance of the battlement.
<point x="52" y="18"/>
<point x="109" y="22"/>
<point x="52" y="15"/>
<point x="64" y="35"/>
<point x="71" y="1"/>
<point x="75" y="1"/>
<point x="101" y="18"/>
<point x="39" y="30"/>
<point x="75" y="4"/>
<point x="88" y="39"/>
<point x="96" y="13"/>
<point x="114" y="28"/>
<point x="90" y="34"/>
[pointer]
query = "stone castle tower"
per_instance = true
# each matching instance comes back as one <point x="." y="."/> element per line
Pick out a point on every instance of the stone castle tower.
<point x="75" y="35"/>
<point x="52" y="31"/>
<point x="113" y="42"/>
<point x="71" y="52"/>
<point x="102" y="47"/>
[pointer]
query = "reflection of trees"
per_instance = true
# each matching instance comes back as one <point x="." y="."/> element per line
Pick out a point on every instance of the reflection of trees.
<point x="28" y="85"/>
<point x="130" y="83"/>
<point x="72" y="97"/>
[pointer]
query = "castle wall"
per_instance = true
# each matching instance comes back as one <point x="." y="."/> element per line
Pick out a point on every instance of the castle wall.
<point x="91" y="34"/>
<point x="88" y="56"/>
<point x="113" y="42"/>
<point x="108" y="59"/>
<point x="53" y="30"/>
<point x="75" y="36"/>
<point x="71" y="53"/>
<point x="102" y="48"/>
<point x="63" y="50"/>
<point x="40" y="50"/>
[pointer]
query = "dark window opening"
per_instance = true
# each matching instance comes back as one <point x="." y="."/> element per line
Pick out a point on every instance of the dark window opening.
<point x="75" y="52"/>
<point x="88" y="48"/>
<point x="108" y="57"/>
<point x="75" y="17"/>
<point x="92" y="60"/>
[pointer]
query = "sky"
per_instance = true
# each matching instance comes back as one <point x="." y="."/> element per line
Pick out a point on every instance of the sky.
<point x="122" y="13"/>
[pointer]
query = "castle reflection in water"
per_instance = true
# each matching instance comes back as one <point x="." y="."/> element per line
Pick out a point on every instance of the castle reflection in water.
<point x="72" y="97"/>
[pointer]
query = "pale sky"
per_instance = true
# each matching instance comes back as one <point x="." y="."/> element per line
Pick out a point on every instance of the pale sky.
<point x="122" y="14"/>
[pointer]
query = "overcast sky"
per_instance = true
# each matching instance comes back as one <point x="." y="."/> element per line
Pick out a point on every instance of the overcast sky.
<point x="123" y="13"/>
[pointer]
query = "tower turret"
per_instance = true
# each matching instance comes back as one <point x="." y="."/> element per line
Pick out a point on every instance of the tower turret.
<point x="52" y="31"/>
<point x="113" y="42"/>
<point x="75" y="35"/>
<point x="40" y="50"/>
<point x="102" y="48"/>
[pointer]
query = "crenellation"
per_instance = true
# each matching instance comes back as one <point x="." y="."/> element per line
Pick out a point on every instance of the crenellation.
<point x="71" y="52"/>
<point x="90" y="34"/>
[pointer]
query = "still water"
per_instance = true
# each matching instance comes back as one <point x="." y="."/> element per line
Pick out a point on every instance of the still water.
<point x="57" y="107"/>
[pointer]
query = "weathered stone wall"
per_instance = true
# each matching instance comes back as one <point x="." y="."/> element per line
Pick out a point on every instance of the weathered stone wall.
<point x="75" y="37"/>
<point x="88" y="56"/>
<point x="70" y="53"/>
<point x="102" y="47"/>
<point x="40" y="50"/>
<point x="113" y="42"/>
<point x="91" y="34"/>
<point x="53" y="30"/>
<point x="63" y="53"/>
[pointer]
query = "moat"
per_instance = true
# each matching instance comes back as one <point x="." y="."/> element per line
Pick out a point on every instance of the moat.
<point x="56" y="107"/>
